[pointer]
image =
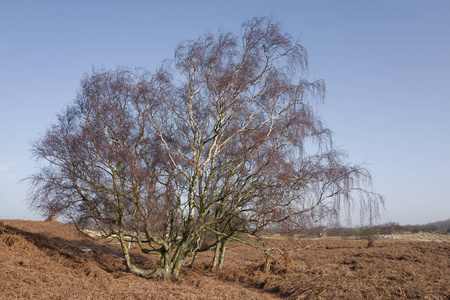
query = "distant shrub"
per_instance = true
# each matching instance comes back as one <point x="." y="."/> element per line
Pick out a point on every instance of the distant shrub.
<point x="370" y="234"/>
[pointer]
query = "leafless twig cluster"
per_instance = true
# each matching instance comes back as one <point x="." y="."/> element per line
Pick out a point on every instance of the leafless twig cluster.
<point x="220" y="141"/>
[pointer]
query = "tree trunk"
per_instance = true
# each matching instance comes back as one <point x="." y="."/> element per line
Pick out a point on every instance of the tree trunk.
<point x="194" y="258"/>
<point x="175" y="272"/>
<point x="223" y="247"/>
<point x="199" y="245"/>
<point x="267" y="262"/>
<point x="163" y="273"/>
<point x="215" y="261"/>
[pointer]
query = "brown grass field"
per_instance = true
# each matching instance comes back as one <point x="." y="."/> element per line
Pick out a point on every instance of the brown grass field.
<point x="51" y="260"/>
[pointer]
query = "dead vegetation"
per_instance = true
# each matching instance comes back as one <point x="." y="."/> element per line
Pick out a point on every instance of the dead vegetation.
<point x="417" y="237"/>
<point x="51" y="260"/>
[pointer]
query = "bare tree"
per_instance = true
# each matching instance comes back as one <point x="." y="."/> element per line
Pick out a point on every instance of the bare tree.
<point x="221" y="140"/>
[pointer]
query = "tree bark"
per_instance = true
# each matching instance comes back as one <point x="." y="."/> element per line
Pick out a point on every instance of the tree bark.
<point x="163" y="273"/>
<point x="215" y="261"/>
<point x="266" y="262"/>
<point x="223" y="247"/>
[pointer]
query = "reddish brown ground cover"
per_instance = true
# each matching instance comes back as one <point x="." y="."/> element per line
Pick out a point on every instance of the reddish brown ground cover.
<point x="51" y="260"/>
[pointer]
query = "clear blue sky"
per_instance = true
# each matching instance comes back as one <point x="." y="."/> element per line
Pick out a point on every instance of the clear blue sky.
<point x="386" y="65"/>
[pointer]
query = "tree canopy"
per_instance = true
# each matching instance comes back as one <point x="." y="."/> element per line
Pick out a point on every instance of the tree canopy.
<point x="221" y="140"/>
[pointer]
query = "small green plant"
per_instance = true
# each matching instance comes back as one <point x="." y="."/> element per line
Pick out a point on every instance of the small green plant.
<point x="370" y="234"/>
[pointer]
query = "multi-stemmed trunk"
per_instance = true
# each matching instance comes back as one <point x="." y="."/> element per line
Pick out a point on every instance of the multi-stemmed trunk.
<point x="219" y="254"/>
<point x="171" y="264"/>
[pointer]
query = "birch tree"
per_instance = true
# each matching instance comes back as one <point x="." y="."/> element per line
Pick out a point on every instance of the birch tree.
<point x="221" y="140"/>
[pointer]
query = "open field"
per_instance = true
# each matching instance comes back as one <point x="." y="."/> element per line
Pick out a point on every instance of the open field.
<point x="417" y="237"/>
<point x="51" y="260"/>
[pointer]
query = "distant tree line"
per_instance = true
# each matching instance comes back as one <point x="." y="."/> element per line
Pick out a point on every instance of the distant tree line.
<point x="442" y="227"/>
